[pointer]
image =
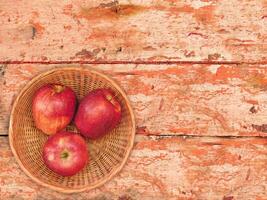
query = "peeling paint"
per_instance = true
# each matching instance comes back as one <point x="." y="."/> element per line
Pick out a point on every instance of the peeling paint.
<point x="261" y="128"/>
<point x="161" y="30"/>
<point x="214" y="56"/>
<point x="177" y="169"/>
<point x="110" y="12"/>
<point x="199" y="99"/>
<point x="87" y="54"/>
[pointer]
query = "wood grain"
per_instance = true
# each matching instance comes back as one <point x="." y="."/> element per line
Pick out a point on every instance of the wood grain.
<point x="199" y="99"/>
<point x="164" y="168"/>
<point x="105" y="31"/>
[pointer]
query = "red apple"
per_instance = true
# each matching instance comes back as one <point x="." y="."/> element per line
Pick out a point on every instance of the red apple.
<point x="53" y="108"/>
<point x="98" y="113"/>
<point x="65" y="153"/>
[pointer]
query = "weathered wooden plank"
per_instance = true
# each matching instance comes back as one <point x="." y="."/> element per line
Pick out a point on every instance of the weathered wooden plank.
<point x="215" y="100"/>
<point x="106" y="30"/>
<point x="167" y="168"/>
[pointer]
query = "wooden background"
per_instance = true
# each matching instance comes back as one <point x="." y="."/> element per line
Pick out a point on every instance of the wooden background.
<point x="195" y="72"/>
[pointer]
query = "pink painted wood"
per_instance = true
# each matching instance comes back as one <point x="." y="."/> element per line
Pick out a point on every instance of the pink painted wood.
<point x="199" y="99"/>
<point x="168" y="169"/>
<point x="190" y="67"/>
<point x="106" y="31"/>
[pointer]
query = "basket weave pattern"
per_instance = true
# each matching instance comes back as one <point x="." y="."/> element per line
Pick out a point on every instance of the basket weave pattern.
<point x="107" y="155"/>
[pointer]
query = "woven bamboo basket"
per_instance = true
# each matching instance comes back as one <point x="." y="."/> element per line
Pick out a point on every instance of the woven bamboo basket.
<point x="107" y="154"/>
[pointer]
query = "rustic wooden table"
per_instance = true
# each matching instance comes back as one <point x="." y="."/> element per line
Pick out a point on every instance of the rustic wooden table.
<point x="194" y="70"/>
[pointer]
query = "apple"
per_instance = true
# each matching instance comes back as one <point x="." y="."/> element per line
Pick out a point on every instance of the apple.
<point x="65" y="153"/>
<point x="98" y="112"/>
<point x="53" y="107"/>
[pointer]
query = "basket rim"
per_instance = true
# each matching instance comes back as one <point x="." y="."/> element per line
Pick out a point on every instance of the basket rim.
<point x="112" y="172"/>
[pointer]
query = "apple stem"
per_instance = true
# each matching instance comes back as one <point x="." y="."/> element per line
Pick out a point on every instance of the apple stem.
<point x="58" y="88"/>
<point x="64" y="155"/>
<point x="109" y="97"/>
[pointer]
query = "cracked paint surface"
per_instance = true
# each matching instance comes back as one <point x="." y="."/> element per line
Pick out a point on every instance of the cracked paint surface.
<point x="180" y="109"/>
<point x="145" y="30"/>
<point x="165" y="168"/>
<point x="189" y="99"/>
